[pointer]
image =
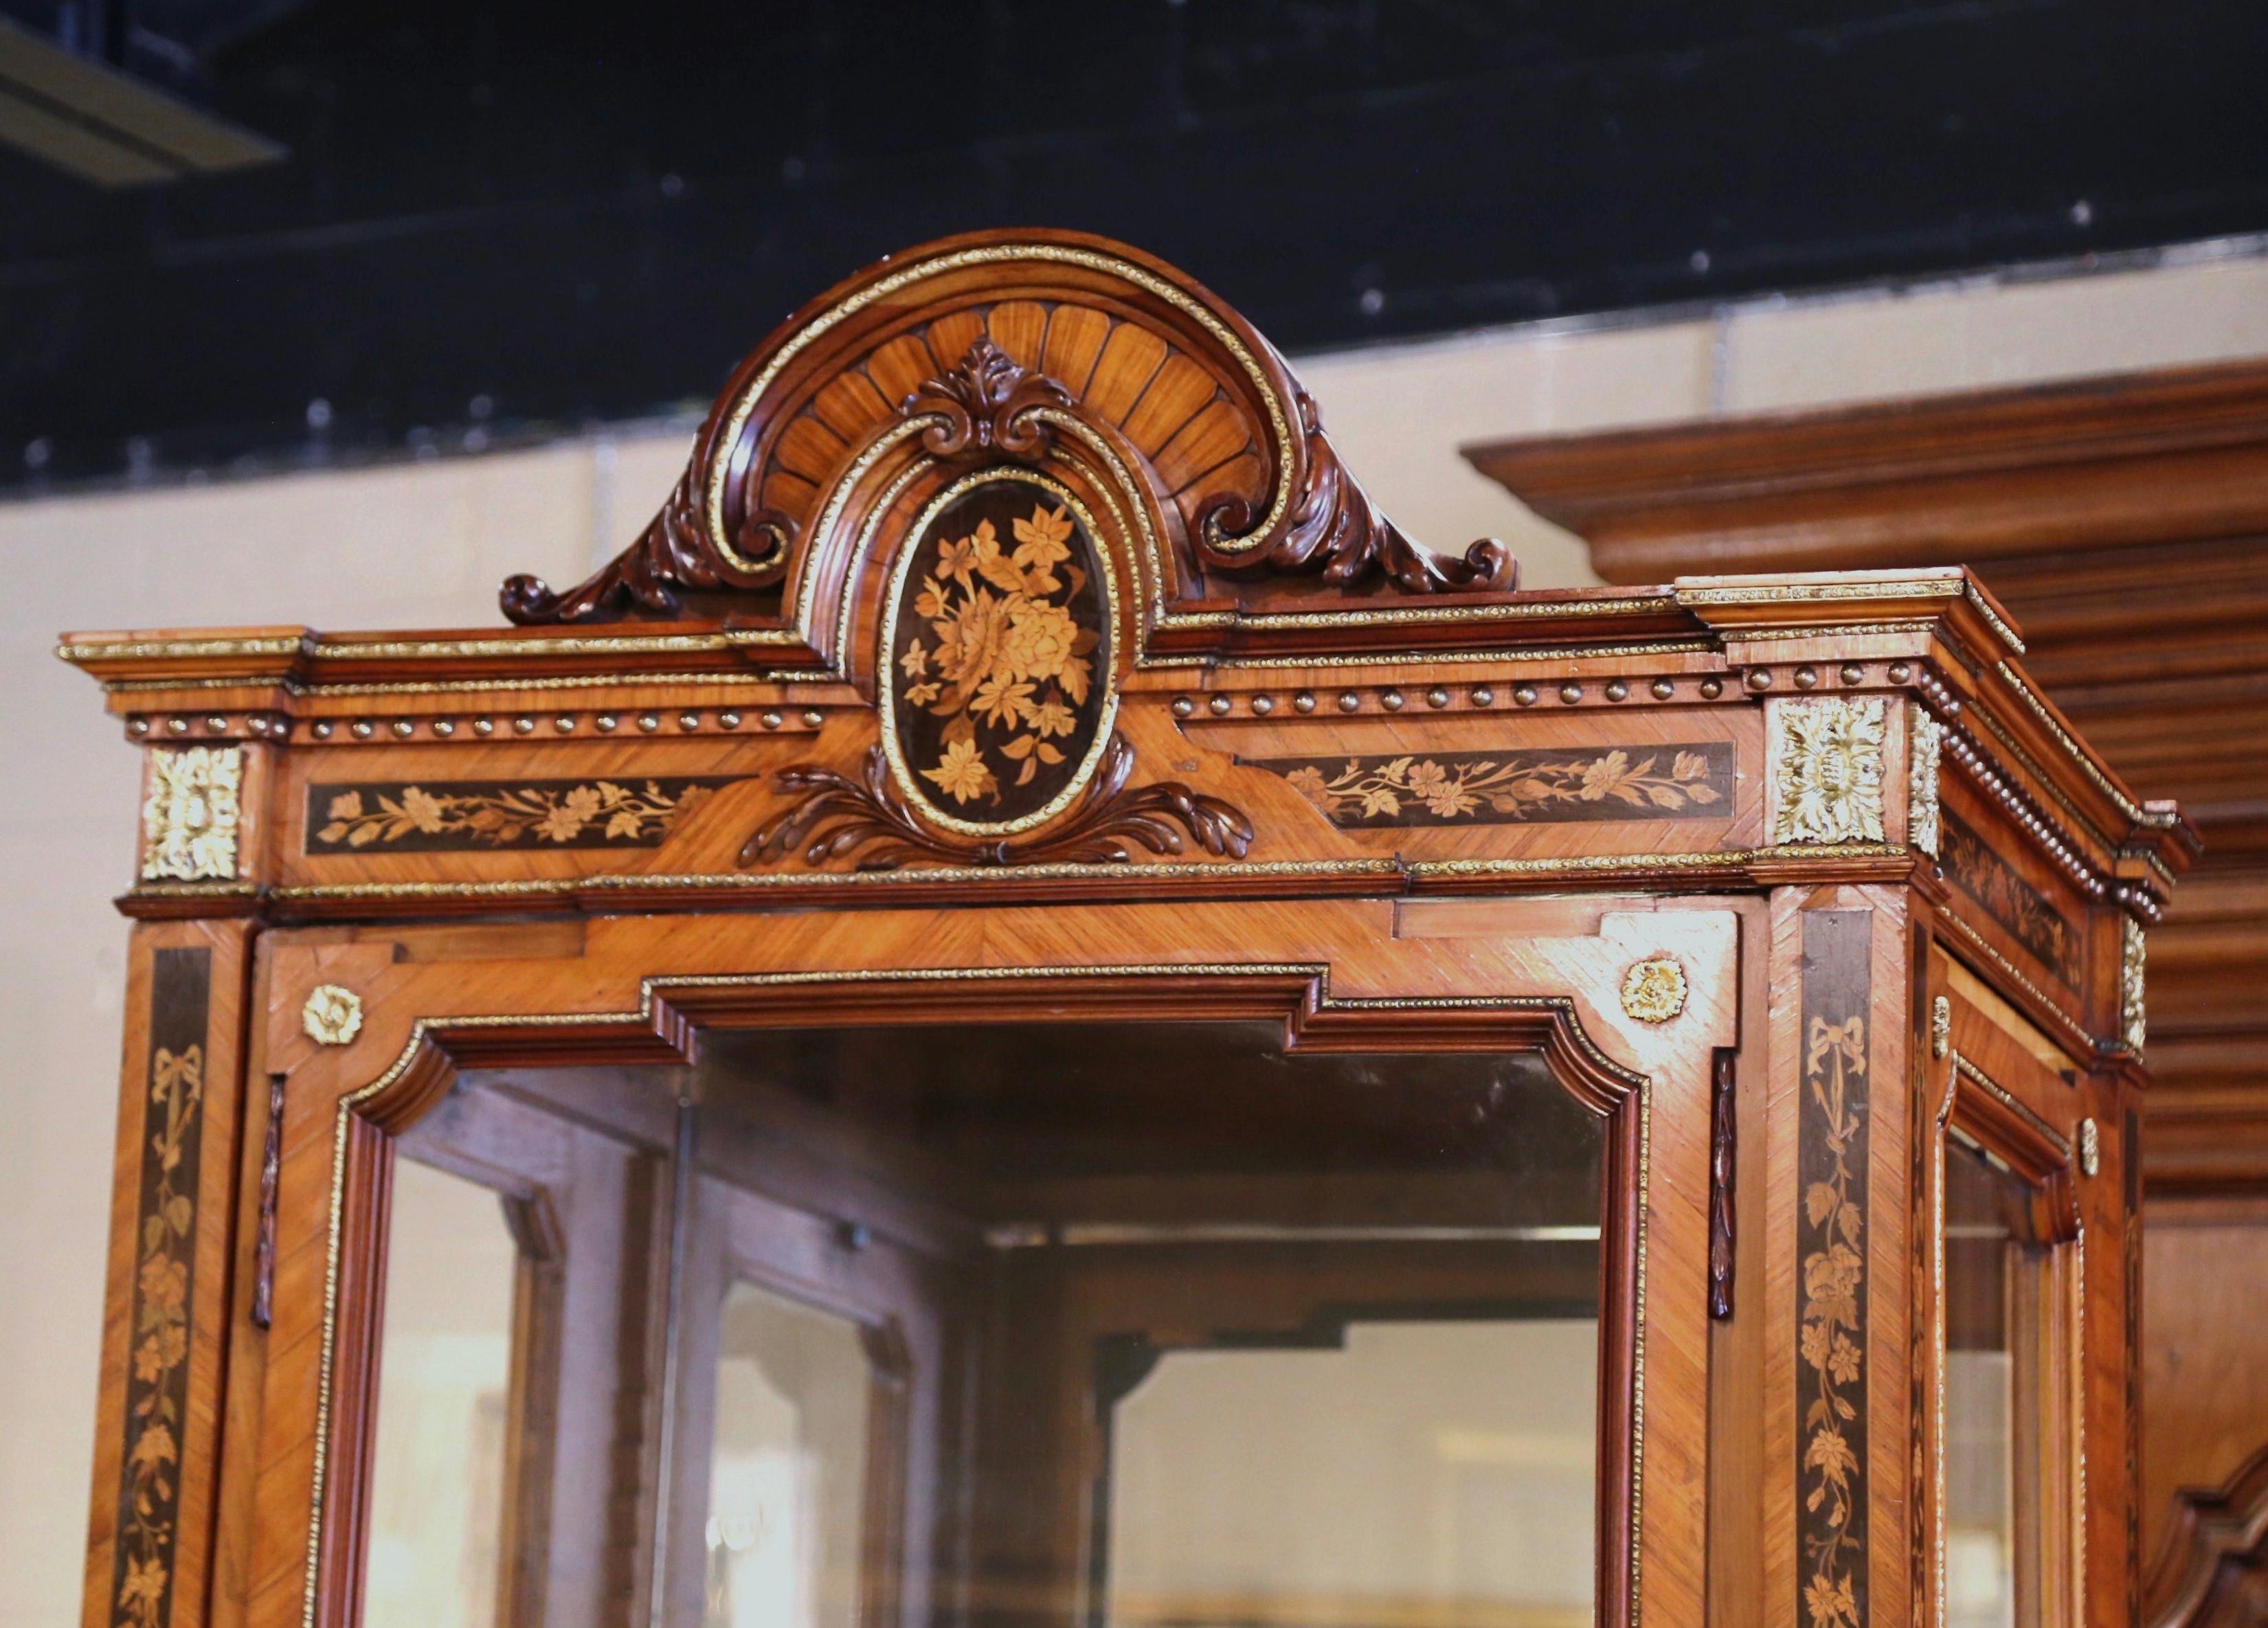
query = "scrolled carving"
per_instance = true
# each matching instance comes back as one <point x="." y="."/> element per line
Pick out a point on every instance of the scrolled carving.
<point x="836" y="815"/>
<point x="984" y="404"/>
<point x="1277" y="500"/>
<point x="675" y="553"/>
<point x="1336" y="527"/>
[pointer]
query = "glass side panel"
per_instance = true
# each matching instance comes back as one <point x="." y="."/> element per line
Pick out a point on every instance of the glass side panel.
<point x="1421" y="1473"/>
<point x="787" y="1466"/>
<point x="438" y="1479"/>
<point x="1994" y="1276"/>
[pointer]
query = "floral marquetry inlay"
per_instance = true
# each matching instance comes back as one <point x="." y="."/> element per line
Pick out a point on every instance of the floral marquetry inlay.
<point x="156" y="1392"/>
<point x="189" y="820"/>
<point x="1684" y="781"/>
<point x="866" y="818"/>
<point x="1831" y="1310"/>
<point x="996" y="655"/>
<point x="457" y="816"/>
<point x="1827" y="769"/>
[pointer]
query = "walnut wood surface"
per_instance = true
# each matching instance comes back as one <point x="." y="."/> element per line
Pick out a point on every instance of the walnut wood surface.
<point x="2220" y="1534"/>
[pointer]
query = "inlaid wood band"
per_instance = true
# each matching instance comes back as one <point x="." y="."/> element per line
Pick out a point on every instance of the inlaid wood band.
<point x="1830" y="1463"/>
<point x="1687" y="781"/>
<point x="165" y="1213"/>
<point x="1973" y="866"/>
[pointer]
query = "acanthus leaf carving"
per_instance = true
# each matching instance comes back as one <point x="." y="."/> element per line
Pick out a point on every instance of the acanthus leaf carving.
<point x="675" y="553"/>
<point x="984" y="404"/>
<point x="1336" y="527"/>
<point x="837" y="816"/>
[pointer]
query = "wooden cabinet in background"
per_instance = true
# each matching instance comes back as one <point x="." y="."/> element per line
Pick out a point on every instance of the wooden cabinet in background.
<point x="2123" y="521"/>
<point x="1026" y="1015"/>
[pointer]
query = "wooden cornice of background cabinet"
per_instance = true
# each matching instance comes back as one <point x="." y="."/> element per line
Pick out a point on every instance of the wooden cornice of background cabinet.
<point x="2123" y="521"/>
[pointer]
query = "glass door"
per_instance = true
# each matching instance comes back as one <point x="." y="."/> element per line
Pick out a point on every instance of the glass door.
<point x="2010" y="1292"/>
<point x="1096" y="1325"/>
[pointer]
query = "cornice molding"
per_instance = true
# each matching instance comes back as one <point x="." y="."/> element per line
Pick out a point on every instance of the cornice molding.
<point x="2123" y="460"/>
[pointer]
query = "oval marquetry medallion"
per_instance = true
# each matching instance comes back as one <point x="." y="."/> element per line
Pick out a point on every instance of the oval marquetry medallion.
<point x="996" y="670"/>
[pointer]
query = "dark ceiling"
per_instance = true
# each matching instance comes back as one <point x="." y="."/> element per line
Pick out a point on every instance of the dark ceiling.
<point x="510" y="218"/>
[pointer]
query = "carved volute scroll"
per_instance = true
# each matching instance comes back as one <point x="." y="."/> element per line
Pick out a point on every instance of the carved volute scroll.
<point x="1008" y="348"/>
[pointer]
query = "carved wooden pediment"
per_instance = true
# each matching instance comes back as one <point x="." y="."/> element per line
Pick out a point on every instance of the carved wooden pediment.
<point x="1123" y="380"/>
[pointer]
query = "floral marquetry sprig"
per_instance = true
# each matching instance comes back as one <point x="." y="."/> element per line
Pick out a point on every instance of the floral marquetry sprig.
<point x="453" y="816"/>
<point x="1008" y="666"/>
<point x="1674" y="782"/>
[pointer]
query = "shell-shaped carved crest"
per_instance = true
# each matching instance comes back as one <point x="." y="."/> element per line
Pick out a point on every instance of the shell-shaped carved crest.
<point x="1009" y="347"/>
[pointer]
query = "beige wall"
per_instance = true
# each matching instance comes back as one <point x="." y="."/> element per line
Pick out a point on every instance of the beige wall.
<point x="424" y="545"/>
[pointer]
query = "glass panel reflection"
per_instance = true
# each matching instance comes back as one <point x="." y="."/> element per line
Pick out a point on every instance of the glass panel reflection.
<point x="438" y="1481"/>
<point x="1423" y="1474"/>
<point x="1047" y="1325"/>
<point x="1994" y="1279"/>
<point x="787" y="1471"/>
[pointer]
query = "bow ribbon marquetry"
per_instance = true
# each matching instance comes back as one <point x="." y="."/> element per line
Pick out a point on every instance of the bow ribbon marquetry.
<point x="1837" y="1054"/>
<point x="170" y="1070"/>
<point x="1849" y="1039"/>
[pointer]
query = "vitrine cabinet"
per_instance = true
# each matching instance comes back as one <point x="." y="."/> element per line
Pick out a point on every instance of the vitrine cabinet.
<point x="1026" y="1015"/>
